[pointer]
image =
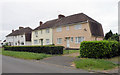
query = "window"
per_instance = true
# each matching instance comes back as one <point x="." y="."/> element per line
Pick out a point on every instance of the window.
<point x="76" y="39"/>
<point x="78" y="27"/>
<point x="59" y="29"/>
<point x="16" y="43"/>
<point x="67" y="27"/>
<point x="59" y="40"/>
<point x="41" y="31"/>
<point x="47" y="30"/>
<point x="47" y="41"/>
<point x="35" y="41"/>
<point x="71" y="39"/>
<point x="79" y="39"/>
<point x="36" y="33"/>
<point x="22" y="43"/>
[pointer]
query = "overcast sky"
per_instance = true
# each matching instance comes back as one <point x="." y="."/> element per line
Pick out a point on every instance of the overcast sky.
<point x="15" y="13"/>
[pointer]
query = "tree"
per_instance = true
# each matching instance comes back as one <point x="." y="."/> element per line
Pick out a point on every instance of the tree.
<point x="111" y="36"/>
<point x="114" y="37"/>
<point x="108" y="35"/>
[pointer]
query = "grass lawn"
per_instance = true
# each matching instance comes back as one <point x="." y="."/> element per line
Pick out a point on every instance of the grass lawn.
<point x="25" y="55"/>
<point x="94" y="64"/>
<point x="70" y="51"/>
<point x="114" y="59"/>
<point x="0" y="50"/>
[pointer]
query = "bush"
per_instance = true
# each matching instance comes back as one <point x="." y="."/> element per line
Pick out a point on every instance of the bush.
<point x="119" y="48"/>
<point x="48" y="49"/>
<point x="99" y="49"/>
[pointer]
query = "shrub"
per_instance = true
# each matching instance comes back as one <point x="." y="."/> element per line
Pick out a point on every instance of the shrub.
<point x="119" y="48"/>
<point x="48" y="49"/>
<point x="99" y="49"/>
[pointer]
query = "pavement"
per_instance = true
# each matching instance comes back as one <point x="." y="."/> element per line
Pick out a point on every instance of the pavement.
<point x="55" y="64"/>
<point x="14" y="65"/>
<point x="0" y="63"/>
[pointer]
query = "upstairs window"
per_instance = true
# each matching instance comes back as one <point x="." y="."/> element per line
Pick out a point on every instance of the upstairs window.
<point x="41" y="31"/>
<point x="59" y="29"/>
<point x="36" y="33"/>
<point x="78" y="27"/>
<point x="47" y="31"/>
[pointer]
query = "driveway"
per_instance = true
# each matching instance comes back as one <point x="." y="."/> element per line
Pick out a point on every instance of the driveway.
<point x="60" y="60"/>
<point x="14" y="65"/>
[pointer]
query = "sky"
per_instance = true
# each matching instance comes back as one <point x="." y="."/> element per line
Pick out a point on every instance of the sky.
<point x="28" y="13"/>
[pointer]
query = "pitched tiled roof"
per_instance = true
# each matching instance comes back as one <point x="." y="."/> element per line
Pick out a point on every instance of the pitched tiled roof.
<point x="76" y="18"/>
<point x="27" y="31"/>
<point x="47" y="24"/>
<point x="96" y="28"/>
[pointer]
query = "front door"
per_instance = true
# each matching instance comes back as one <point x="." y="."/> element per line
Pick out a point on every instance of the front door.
<point x="41" y="42"/>
<point x="68" y="43"/>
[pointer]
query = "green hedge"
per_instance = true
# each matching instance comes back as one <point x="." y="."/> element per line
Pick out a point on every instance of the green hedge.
<point x="99" y="49"/>
<point x="37" y="49"/>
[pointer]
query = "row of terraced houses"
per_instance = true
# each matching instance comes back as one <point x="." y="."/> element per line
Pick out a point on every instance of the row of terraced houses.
<point x="67" y="31"/>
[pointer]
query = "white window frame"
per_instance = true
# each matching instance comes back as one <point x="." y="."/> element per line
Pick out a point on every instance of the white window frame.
<point x="76" y="39"/>
<point x="59" y="40"/>
<point x="41" y="31"/>
<point x="79" y="39"/>
<point x="59" y="29"/>
<point x="67" y="27"/>
<point x="36" y="32"/>
<point x="47" y="31"/>
<point x="16" y="43"/>
<point x="71" y="39"/>
<point x="47" y="41"/>
<point x="78" y="26"/>
<point x="22" y="43"/>
<point x="36" y="42"/>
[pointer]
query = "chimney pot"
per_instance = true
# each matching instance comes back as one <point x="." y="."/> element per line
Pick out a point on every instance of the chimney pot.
<point x="21" y="27"/>
<point x="60" y="16"/>
<point x="41" y="22"/>
<point x="12" y="30"/>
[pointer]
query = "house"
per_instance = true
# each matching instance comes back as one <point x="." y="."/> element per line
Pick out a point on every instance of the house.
<point x="68" y="31"/>
<point x="43" y="35"/>
<point x="19" y="37"/>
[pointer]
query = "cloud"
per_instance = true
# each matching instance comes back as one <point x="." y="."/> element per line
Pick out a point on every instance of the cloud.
<point x="25" y="13"/>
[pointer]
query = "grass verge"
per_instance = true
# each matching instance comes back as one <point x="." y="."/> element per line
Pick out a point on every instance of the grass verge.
<point x="114" y="59"/>
<point x="94" y="64"/>
<point x="25" y="55"/>
<point x="70" y="51"/>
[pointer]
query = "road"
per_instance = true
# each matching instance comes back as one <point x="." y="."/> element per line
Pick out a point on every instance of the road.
<point x="14" y="65"/>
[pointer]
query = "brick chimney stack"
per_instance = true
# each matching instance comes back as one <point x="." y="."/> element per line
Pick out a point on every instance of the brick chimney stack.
<point x="41" y="23"/>
<point x="60" y="16"/>
<point x="12" y="30"/>
<point x="21" y="27"/>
